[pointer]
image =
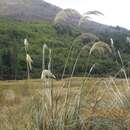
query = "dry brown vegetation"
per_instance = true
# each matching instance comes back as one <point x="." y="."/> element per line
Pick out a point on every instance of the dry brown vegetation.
<point x="71" y="104"/>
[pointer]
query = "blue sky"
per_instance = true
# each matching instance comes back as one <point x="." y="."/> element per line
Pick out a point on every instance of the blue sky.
<point x="116" y="12"/>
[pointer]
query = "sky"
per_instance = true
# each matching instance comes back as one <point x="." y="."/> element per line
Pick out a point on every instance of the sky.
<point x="116" y="12"/>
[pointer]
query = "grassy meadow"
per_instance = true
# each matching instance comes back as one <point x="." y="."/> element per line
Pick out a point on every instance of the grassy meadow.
<point x="76" y="103"/>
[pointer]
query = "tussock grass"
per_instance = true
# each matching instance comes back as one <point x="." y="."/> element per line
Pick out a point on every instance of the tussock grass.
<point x="39" y="113"/>
<point x="96" y="109"/>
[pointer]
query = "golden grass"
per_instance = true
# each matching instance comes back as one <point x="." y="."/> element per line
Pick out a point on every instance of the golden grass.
<point x="96" y="98"/>
<point x="32" y="85"/>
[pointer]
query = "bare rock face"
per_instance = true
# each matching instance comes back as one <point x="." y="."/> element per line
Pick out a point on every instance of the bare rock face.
<point x="28" y="9"/>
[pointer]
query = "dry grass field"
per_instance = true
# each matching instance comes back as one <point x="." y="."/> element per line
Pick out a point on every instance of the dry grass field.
<point x="71" y="104"/>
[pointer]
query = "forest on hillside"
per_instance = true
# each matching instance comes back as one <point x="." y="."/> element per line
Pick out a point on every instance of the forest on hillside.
<point x="63" y="43"/>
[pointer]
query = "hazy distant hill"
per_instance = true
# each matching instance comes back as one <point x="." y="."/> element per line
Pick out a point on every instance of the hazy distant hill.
<point x="28" y="9"/>
<point x="101" y="28"/>
<point x="35" y="10"/>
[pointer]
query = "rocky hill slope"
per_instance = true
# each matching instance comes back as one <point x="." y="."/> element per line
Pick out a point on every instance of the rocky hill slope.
<point x="36" y="10"/>
<point x="28" y="9"/>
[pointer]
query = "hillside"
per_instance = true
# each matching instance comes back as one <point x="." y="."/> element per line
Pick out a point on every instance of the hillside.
<point x="32" y="19"/>
<point x="93" y="26"/>
<point x="35" y="10"/>
<point x="12" y="53"/>
<point x="28" y="9"/>
<point x="39" y="10"/>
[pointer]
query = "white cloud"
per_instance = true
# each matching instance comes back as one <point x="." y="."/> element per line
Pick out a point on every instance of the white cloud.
<point x="116" y="11"/>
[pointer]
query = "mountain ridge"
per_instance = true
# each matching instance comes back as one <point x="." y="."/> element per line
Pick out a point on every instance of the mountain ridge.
<point x="90" y="25"/>
<point x="28" y="10"/>
<point x="38" y="10"/>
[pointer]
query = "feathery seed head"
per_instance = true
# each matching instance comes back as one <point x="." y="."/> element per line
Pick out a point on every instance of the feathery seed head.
<point x="112" y="43"/>
<point x="47" y="74"/>
<point x="101" y="47"/>
<point x="94" y="12"/>
<point x="128" y="39"/>
<point x="29" y="61"/>
<point x="26" y="44"/>
<point x="45" y="46"/>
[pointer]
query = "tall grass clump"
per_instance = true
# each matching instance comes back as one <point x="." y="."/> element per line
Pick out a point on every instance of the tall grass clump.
<point x="28" y="58"/>
<point x="38" y="113"/>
